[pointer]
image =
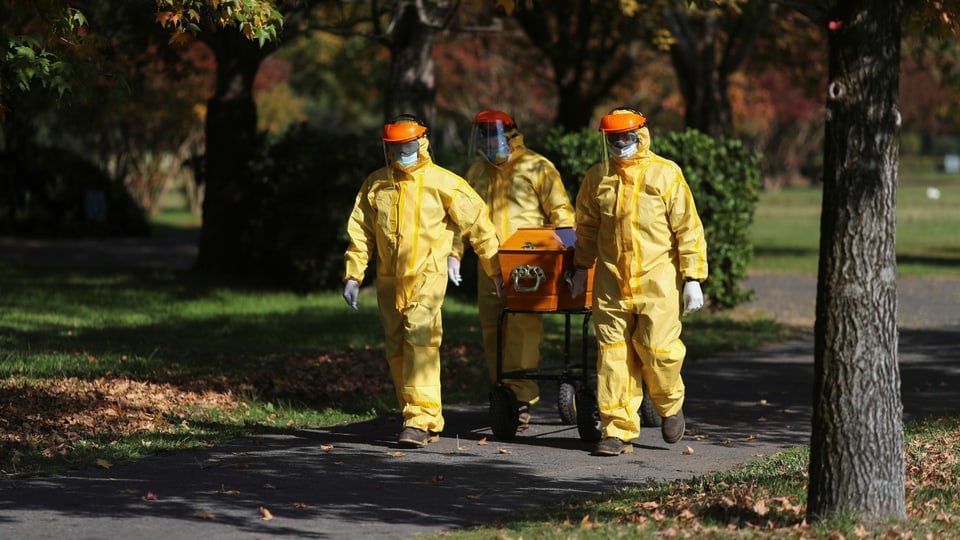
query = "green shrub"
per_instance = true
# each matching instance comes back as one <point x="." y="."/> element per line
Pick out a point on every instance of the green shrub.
<point x="572" y="154"/>
<point x="724" y="179"/>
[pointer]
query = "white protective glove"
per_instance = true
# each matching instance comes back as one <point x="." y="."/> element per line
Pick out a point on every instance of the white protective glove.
<point x="498" y="281"/>
<point x="578" y="282"/>
<point x="692" y="297"/>
<point x="350" y="291"/>
<point x="453" y="270"/>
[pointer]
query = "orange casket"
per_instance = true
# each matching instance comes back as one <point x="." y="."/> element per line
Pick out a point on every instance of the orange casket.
<point x="536" y="264"/>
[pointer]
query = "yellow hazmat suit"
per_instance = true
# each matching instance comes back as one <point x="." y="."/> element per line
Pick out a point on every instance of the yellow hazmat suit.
<point x="524" y="190"/>
<point x="637" y="218"/>
<point x="408" y="215"/>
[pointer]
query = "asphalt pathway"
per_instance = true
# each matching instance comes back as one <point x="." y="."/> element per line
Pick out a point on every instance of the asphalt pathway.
<point x="353" y="481"/>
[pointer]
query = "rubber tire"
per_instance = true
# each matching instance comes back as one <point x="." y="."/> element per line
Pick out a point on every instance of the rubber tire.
<point x="567" y="403"/>
<point x="648" y="416"/>
<point x="504" y="414"/>
<point x="588" y="416"/>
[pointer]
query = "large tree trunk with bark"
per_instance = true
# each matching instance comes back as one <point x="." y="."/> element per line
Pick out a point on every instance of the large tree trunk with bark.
<point x="702" y="84"/>
<point x="412" y="88"/>
<point x="231" y="141"/>
<point x="856" y="449"/>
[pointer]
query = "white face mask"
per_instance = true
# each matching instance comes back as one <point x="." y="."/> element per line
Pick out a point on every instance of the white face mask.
<point x="407" y="160"/>
<point x="626" y="152"/>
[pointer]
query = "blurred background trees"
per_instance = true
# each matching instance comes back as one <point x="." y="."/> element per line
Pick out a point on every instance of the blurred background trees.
<point x="236" y="110"/>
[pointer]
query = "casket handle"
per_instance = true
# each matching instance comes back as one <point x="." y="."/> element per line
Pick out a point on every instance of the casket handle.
<point x="527" y="272"/>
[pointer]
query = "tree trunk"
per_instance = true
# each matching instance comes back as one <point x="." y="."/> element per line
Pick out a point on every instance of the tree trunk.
<point x="412" y="88"/>
<point x="856" y="449"/>
<point x="708" y="48"/>
<point x="231" y="140"/>
<point x="702" y="83"/>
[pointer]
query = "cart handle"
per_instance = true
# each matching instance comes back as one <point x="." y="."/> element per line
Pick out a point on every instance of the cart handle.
<point x="527" y="272"/>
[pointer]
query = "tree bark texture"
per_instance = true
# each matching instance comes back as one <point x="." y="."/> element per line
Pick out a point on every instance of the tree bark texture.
<point x="231" y="140"/>
<point x="857" y="453"/>
<point x="412" y="88"/>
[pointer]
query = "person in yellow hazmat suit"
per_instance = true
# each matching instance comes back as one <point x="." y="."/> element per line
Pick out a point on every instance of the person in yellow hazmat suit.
<point x="521" y="189"/>
<point x="407" y="213"/>
<point x="637" y="219"/>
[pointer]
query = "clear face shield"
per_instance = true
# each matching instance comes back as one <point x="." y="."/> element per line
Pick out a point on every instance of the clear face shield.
<point x="619" y="146"/>
<point x="404" y="154"/>
<point x="491" y="140"/>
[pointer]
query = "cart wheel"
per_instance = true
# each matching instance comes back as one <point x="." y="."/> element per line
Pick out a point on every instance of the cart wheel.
<point x="588" y="415"/>
<point x="504" y="414"/>
<point x="567" y="403"/>
<point x="648" y="416"/>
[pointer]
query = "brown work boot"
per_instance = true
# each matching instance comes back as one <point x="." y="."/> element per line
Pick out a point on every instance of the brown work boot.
<point x="523" y="413"/>
<point x="672" y="428"/>
<point x="612" y="446"/>
<point x="415" y="437"/>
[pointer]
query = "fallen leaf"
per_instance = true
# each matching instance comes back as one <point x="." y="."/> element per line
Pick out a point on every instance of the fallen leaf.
<point x="762" y="419"/>
<point x="397" y="454"/>
<point x="150" y="496"/>
<point x="265" y="514"/>
<point x="688" y="451"/>
<point x="760" y="507"/>
<point x="326" y="447"/>
<point x="203" y="514"/>
<point x="501" y="450"/>
<point x="104" y="463"/>
<point x="762" y="402"/>
<point x="473" y="497"/>
<point x="482" y="442"/>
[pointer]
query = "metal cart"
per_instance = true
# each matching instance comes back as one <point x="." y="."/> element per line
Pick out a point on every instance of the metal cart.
<point x="577" y="395"/>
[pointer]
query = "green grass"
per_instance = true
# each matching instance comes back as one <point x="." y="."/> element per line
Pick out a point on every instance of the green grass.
<point x="786" y="229"/>
<point x="281" y="357"/>
<point x="760" y="500"/>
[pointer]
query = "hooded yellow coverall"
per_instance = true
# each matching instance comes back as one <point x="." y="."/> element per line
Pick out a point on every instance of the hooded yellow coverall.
<point x="525" y="191"/>
<point x="409" y="216"/>
<point x="639" y="222"/>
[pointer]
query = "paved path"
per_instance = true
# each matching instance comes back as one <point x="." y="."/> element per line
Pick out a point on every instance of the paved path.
<point x="349" y="481"/>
